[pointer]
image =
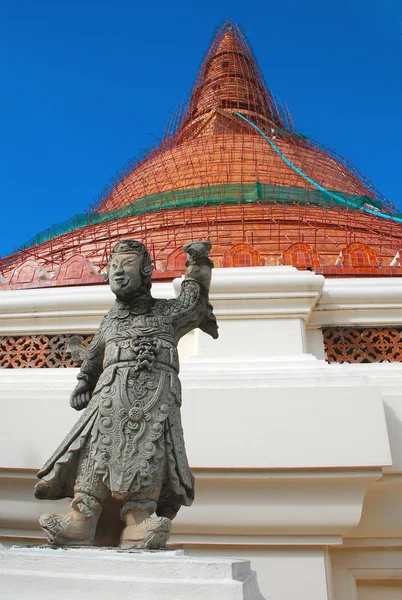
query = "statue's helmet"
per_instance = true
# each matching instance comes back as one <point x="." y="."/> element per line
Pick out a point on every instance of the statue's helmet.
<point x="134" y="247"/>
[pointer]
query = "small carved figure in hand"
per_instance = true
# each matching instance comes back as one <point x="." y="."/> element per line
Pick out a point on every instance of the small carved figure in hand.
<point x="127" y="449"/>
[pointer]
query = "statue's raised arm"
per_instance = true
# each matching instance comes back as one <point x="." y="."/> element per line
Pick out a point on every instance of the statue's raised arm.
<point x="192" y="308"/>
<point x="199" y="265"/>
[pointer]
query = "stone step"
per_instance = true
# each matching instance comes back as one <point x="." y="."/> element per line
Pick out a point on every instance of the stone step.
<point x="105" y="574"/>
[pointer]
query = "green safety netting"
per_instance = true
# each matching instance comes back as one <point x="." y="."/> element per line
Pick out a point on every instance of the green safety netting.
<point x="246" y="193"/>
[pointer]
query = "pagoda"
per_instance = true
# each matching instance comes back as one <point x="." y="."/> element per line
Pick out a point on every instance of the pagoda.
<point x="292" y="418"/>
<point x="233" y="169"/>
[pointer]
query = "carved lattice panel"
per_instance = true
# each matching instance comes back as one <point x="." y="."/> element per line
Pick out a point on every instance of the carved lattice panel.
<point x="355" y="345"/>
<point x="37" y="351"/>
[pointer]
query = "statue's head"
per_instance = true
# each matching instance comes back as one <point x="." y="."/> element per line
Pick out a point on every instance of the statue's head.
<point x="129" y="269"/>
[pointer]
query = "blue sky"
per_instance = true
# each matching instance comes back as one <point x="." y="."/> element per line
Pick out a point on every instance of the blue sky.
<point x="85" y="85"/>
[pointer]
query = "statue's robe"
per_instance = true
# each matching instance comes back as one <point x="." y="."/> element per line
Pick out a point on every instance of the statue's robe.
<point x="131" y="427"/>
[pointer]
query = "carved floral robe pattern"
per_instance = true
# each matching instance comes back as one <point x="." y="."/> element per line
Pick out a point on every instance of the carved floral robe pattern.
<point x="131" y="428"/>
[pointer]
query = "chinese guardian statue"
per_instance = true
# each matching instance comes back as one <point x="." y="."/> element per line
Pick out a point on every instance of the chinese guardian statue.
<point x="127" y="447"/>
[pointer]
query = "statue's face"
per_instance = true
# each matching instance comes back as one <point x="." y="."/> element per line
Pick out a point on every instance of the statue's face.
<point x="125" y="275"/>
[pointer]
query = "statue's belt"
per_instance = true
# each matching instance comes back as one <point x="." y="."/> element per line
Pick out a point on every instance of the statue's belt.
<point x="131" y="364"/>
<point x="109" y="373"/>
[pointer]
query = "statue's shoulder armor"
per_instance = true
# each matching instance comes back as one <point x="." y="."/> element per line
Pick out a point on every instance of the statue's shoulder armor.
<point x="106" y="322"/>
<point x="163" y="305"/>
<point x="161" y="302"/>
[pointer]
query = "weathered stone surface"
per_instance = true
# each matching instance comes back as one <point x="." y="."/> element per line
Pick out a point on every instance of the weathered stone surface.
<point x="107" y="574"/>
<point x="127" y="449"/>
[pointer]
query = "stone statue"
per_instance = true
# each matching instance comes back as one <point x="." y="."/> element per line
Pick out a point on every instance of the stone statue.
<point x="128" y="444"/>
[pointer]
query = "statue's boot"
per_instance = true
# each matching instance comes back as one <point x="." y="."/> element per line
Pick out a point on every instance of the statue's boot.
<point x="42" y="490"/>
<point x="144" y="531"/>
<point x="70" y="529"/>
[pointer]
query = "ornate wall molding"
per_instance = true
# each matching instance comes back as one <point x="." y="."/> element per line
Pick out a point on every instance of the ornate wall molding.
<point x="37" y="351"/>
<point x="363" y="345"/>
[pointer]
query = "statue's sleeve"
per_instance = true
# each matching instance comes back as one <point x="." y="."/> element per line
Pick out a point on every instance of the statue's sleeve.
<point x="91" y="367"/>
<point x="191" y="308"/>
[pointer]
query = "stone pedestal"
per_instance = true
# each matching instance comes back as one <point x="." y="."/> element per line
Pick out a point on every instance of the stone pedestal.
<point x="108" y="574"/>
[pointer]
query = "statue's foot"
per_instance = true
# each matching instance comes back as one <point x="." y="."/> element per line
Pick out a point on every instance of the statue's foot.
<point x="42" y="490"/>
<point x="70" y="529"/>
<point x="151" y="533"/>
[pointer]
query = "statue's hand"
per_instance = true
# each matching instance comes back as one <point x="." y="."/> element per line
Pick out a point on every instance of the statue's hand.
<point x="197" y="249"/>
<point x="81" y="395"/>
<point x="197" y="253"/>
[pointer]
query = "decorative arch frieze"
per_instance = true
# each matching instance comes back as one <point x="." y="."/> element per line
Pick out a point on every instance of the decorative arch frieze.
<point x="176" y="261"/>
<point x="242" y="255"/>
<point x="29" y="274"/>
<point x="358" y="255"/>
<point x="77" y="270"/>
<point x="301" y="256"/>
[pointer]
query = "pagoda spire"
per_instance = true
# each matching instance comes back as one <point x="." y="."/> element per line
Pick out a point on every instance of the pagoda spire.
<point x="229" y="80"/>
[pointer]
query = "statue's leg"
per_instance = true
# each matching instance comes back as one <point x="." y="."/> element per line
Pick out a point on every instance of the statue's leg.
<point x="143" y="528"/>
<point x="78" y="527"/>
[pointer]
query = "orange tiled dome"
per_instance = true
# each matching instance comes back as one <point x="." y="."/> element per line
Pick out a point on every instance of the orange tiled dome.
<point x="261" y="193"/>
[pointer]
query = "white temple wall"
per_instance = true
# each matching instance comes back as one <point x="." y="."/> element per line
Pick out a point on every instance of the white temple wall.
<point x="315" y="342"/>
<point x="298" y="463"/>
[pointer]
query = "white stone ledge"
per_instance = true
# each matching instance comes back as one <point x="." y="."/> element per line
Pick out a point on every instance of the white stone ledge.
<point x="247" y="293"/>
<point x="77" y="309"/>
<point x="85" y="574"/>
<point x="242" y="293"/>
<point x="362" y="289"/>
<point x="263" y="292"/>
<point x="194" y="541"/>
<point x="229" y="502"/>
<point x="361" y="302"/>
<point x="266" y="413"/>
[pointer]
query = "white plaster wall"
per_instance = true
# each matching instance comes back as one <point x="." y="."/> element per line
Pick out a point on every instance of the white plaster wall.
<point x="288" y="451"/>
<point x="365" y="573"/>
<point x="284" y="573"/>
<point x="284" y="337"/>
<point x="315" y="342"/>
<point x="255" y="424"/>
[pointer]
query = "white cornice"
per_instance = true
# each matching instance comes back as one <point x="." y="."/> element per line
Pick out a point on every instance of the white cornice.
<point x="263" y="292"/>
<point x="360" y="302"/>
<point x="241" y="293"/>
<point x="60" y="310"/>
